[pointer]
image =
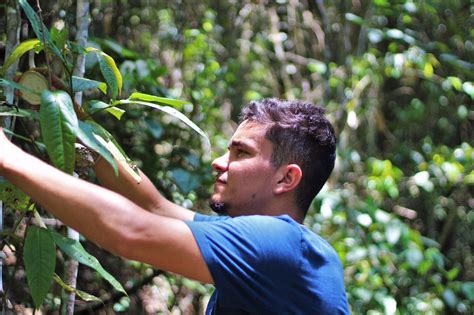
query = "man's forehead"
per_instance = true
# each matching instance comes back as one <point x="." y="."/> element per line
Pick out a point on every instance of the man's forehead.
<point x="249" y="133"/>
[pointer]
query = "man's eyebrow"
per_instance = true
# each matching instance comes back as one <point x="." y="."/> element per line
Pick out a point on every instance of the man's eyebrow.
<point x="239" y="144"/>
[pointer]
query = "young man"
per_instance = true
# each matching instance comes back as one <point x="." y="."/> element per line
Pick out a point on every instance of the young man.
<point x="259" y="256"/>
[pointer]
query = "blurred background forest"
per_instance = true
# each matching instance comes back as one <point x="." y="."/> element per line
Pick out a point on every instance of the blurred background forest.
<point x="396" y="78"/>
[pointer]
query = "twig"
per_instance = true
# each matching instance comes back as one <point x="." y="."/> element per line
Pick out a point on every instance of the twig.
<point x="43" y="39"/>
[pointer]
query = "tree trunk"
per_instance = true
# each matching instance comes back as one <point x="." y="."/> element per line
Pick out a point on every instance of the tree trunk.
<point x="82" y="24"/>
<point x="13" y="23"/>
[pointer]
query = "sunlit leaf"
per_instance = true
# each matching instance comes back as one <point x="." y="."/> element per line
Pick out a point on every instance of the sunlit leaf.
<point x="110" y="72"/>
<point x="170" y="111"/>
<point x="156" y="99"/>
<point x="354" y="18"/>
<point x="20" y="50"/>
<point x="81" y="294"/>
<point x="39" y="255"/>
<point x="94" y="107"/>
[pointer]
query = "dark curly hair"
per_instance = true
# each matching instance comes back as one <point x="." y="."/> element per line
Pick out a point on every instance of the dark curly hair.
<point x="300" y="134"/>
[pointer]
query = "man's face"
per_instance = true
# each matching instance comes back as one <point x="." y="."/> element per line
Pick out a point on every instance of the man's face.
<point x="245" y="175"/>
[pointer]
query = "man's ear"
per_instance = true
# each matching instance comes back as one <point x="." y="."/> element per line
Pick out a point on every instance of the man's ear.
<point x="289" y="177"/>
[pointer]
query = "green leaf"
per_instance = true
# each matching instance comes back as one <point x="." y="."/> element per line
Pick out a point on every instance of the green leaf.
<point x="157" y="99"/>
<point x="38" y="28"/>
<point x="39" y="255"/>
<point x="110" y="72"/>
<point x="354" y="18"/>
<point x="185" y="180"/>
<point x="468" y="289"/>
<point x="450" y="298"/>
<point x="121" y="157"/>
<point x="468" y="88"/>
<point x="317" y="66"/>
<point x="455" y="82"/>
<point x="74" y="249"/>
<point x="14" y="85"/>
<point x="59" y="125"/>
<point x="37" y="143"/>
<point x="107" y="140"/>
<point x="88" y="136"/>
<point x="83" y="84"/>
<point x="14" y="112"/>
<point x="12" y="197"/>
<point x="452" y="274"/>
<point x="20" y="50"/>
<point x="414" y="257"/>
<point x="171" y="111"/>
<point x="83" y="295"/>
<point x="117" y="48"/>
<point x="97" y="106"/>
<point x="59" y="37"/>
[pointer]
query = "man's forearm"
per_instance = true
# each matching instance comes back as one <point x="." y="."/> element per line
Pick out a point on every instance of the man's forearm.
<point x="105" y="217"/>
<point x="143" y="194"/>
<point x="86" y="207"/>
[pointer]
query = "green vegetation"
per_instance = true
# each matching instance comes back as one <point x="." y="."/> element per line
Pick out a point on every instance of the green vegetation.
<point x="396" y="78"/>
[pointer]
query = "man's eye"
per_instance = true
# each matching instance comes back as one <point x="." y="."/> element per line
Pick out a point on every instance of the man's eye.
<point x="241" y="153"/>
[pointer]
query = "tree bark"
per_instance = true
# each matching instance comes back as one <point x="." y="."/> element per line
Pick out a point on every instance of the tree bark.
<point x="13" y="23"/>
<point x="82" y="24"/>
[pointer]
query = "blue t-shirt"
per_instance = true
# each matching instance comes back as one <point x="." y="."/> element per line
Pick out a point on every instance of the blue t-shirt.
<point x="269" y="265"/>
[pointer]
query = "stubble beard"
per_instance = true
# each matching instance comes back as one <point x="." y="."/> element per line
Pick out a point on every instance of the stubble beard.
<point x="218" y="207"/>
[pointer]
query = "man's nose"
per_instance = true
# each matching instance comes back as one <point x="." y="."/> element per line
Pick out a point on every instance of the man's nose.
<point x="221" y="163"/>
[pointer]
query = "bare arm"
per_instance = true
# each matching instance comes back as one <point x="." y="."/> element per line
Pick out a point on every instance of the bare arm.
<point x="143" y="194"/>
<point x="105" y="217"/>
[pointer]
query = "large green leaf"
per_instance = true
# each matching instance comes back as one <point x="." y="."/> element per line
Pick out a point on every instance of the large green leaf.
<point x="58" y="127"/>
<point x="107" y="140"/>
<point x="83" y="84"/>
<point x="170" y="111"/>
<point x="110" y="72"/>
<point x="88" y="135"/>
<point x="156" y="99"/>
<point x="74" y="249"/>
<point x="39" y="255"/>
<point x="38" y="27"/>
<point x="20" y="50"/>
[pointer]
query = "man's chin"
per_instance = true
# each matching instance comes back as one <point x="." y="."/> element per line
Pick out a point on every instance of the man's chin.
<point x="218" y="207"/>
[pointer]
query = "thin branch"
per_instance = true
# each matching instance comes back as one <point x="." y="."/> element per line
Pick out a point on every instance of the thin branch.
<point x="43" y="39"/>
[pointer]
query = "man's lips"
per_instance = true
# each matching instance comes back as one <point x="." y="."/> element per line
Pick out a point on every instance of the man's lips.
<point x="220" y="181"/>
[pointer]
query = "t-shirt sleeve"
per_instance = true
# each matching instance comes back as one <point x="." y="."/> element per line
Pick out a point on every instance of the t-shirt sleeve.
<point x="209" y="218"/>
<point x="247" y="256"/>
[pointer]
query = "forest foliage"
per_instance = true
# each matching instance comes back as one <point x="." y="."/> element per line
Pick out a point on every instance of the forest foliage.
<point x="396" y="79"/>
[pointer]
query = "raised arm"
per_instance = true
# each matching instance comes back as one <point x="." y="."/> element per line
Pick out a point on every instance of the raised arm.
<point x="105" y="217"/>
<point x="143" y="194"/>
